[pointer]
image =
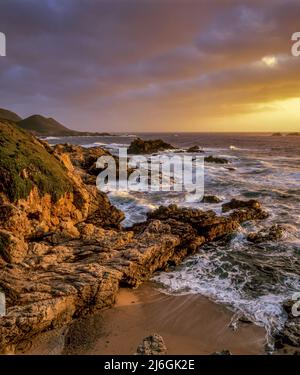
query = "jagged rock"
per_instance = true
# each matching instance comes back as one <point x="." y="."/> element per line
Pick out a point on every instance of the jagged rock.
<point x="12" y="248"/>
<point x="140" y="146"/>
<point x="215" y="159"/>
<point x="82" y="157"/>
<point x="208" y="224"/>
<point x="211" y="199"/>
<point x="152" y="345"/>
<point x="85" y="160"/>
<point x="194" y="149"/>
<point x="274" y="233"/>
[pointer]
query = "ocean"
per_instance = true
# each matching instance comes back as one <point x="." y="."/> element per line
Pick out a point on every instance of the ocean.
<point x="251" y="279"/>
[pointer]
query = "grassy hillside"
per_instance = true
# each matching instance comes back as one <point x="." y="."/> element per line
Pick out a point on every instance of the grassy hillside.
<point x="25" y="163"/>
<point x="5" y="114"/>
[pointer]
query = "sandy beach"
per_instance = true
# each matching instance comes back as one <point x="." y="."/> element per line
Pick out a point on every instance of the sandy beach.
<point x="189" y="324"/>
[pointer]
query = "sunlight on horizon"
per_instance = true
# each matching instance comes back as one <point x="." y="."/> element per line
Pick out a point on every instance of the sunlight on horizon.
<point x="270" y="61"/>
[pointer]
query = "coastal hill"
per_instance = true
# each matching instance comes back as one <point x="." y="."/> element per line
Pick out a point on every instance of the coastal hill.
<point x="42" y="126"/>
<point x="5" y="114"/>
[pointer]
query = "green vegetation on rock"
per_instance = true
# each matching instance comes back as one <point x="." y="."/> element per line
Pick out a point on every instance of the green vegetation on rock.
<point x="25" y="163"/>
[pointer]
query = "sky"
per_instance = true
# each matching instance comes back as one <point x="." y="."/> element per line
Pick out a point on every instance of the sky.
<point x="153" y="65"/>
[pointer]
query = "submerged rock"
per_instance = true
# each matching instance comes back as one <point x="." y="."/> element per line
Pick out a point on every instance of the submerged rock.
<point x="152" y="345"/>
<point x="140" y="146"/>
<point x="231" y="169"/>
<point x="215" y="159"/>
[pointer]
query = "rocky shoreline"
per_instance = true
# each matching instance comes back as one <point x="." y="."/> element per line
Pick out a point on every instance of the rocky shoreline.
<point x="66" y="255"/>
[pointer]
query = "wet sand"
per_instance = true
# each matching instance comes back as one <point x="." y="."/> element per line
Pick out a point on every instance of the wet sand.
<point x="189" y="325"/>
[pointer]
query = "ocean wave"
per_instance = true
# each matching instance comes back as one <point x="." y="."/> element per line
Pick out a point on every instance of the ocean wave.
<point x="135" y="207"/>
<point x="49" y="138"/>
<point x="231" y="147"/>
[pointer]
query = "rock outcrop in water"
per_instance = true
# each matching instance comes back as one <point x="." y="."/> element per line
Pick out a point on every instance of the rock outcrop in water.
<point x="140" y="146"/>
<point x="290" y="335"/>
<point x="274" y="233"/>
<point x="194" y="149"/>
<point x="63" y="253"/>
<point x="211" y="199"/>
<point x="236" y="203"/>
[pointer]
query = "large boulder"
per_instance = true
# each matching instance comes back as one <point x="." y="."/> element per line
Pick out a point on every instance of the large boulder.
<point x="152" y="345"/>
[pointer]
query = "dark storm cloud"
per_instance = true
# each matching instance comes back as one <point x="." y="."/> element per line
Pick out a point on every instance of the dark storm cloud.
<point x="92" y="63"/>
